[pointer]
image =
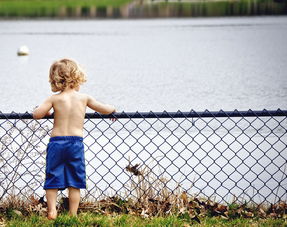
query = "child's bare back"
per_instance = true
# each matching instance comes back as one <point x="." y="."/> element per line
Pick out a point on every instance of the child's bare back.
<point x="69" y="112"/>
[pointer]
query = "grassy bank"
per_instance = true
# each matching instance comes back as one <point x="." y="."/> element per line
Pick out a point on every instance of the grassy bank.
<point x="54" y="8"/>
<point x="114" y="211"/>
<point x="57" y="3"/>
<point x="91" y="219"/>
<point x="118" y="9"/>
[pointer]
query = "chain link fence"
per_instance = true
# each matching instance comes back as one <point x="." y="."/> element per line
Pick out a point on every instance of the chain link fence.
<point x="224" y="156"/>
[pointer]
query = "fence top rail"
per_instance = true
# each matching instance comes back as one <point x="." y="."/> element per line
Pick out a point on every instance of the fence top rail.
<point x="164" y="114"/>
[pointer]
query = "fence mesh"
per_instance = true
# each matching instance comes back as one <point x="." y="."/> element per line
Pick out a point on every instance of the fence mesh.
<point x="221" y="155"/>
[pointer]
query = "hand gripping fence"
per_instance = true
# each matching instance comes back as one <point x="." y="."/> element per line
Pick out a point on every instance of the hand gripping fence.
<point x="222" y="155"/>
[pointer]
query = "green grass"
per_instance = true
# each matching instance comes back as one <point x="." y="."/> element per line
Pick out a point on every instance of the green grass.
<point x="84" y="8"/>
<point x="57" y="3"/>
<point x="227" y="7"/>
<point x="52" y="8"/>
<point x="91" y="219"/>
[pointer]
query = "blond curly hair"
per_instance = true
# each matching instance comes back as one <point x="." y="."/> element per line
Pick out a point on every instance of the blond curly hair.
<point x="65" y="73"/>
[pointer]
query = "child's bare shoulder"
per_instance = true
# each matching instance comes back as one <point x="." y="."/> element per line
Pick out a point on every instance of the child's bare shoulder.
<point x="54" y="97"/>
<point x="50" y="98"/>
<point x="84" y="96"/>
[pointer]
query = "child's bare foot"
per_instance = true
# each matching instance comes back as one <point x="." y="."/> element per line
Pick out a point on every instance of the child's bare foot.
<point x="52" y="215"/>
<point x="72" y="214"/>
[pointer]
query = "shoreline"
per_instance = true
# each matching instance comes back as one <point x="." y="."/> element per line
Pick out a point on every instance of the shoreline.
<point x="127" y="9"/>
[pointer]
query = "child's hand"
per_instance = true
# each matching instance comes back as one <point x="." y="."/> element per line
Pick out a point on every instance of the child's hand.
<point x="113" y="119"/>
<point x="49" y="114"/>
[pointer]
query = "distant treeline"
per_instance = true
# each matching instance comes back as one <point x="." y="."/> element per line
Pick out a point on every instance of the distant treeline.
<point x="138" y="8"/>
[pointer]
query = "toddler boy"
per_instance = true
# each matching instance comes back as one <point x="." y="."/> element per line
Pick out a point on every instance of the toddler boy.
<point x="65" y="162"/>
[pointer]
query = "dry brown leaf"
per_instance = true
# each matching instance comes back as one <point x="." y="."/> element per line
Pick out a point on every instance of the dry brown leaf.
<point x="184" y="197"/>
<point x="262" y="212"/>
<point x="182" y="210"/>
<point x="249" y="214"/>
<point x="144" y="213"/>
<point x="2" y="222"/>
<point x="134" y="169"/>
<point x="220" y="208"/>
<point x="186" y="225"/>
<point x="273" y="215"/>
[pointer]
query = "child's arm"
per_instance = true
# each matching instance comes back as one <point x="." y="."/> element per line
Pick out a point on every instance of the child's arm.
<point x="43" y="110"/>
<point x="100" y="107"/>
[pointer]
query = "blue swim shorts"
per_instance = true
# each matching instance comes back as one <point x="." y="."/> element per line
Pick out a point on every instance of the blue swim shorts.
<point x="65" y="163"/>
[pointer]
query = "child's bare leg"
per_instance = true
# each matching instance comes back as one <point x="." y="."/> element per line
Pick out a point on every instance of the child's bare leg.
<point x="74" y="200"/>
<point x="51" y="195"/>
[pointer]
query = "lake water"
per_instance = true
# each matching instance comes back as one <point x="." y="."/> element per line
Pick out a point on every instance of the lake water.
<point x="164" y="64"/>
<point x="171" y="64"/>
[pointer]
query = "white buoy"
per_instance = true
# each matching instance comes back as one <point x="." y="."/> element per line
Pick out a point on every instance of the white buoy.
<point x="23" y="50"/>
